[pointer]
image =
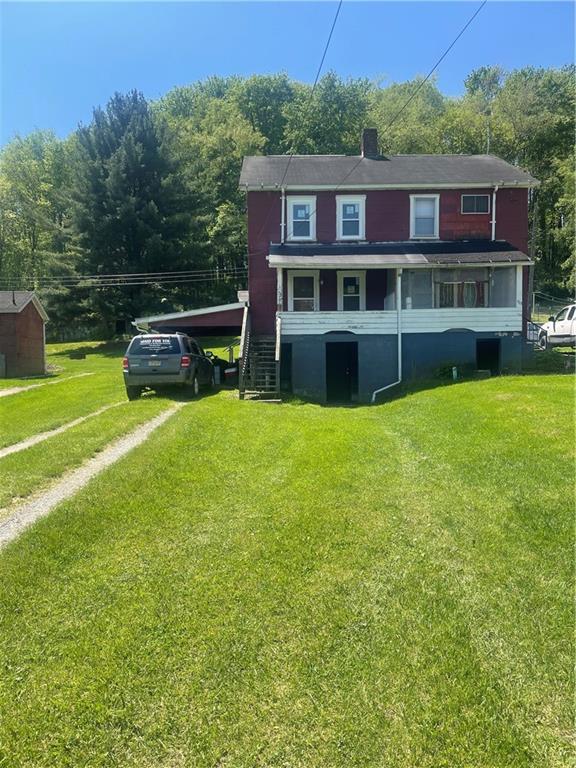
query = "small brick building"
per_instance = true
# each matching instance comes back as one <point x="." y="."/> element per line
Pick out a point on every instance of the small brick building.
<point x="22" y="338"/>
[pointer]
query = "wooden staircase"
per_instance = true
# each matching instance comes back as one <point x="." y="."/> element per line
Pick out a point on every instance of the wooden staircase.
<point x="259" y="366"/>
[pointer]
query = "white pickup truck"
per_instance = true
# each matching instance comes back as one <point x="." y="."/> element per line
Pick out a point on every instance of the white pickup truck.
<point x="560" y="330"/>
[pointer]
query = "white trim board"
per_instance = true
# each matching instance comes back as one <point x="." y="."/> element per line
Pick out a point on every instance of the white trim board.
<point x="416" y="321"/>
<point x="361" y="187"/>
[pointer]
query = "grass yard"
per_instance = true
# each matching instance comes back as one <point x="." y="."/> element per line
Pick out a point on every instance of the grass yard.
<point x="300" y="587"/>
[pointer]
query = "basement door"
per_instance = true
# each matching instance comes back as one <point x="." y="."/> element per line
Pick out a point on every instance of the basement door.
<point x="488" y="355"/>
<point x="342" y="371"/>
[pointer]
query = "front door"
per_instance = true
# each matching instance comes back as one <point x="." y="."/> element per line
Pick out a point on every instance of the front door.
<point x="342" y="371"/>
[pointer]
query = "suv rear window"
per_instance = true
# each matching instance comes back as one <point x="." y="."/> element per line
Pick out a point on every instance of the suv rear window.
<point x="154" y="345"/>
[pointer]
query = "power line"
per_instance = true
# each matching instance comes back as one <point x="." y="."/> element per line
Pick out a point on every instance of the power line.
<point x="440" y="60"/>
<point x="311" y="96"/>
<point x="418" y="88"/>
<point x="137" y="275"/>
<point x="241" y="274"/>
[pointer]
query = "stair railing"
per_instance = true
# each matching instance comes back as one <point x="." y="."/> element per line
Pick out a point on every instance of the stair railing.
<point x="244" y="353"/>
<point x="278" y="349"/>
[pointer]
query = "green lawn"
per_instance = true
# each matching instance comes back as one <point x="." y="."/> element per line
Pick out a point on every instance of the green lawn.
<point x="305" y="587"/>
<point x="30" y="470"/>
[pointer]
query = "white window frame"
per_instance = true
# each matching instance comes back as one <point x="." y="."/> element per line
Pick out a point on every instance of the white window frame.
<point x="361" y="275"/>
<point x="436" y="199"/>
<point x="292" y="200"/>
<point x="474" y="213"/>
<point x="359" y="200"/>
<point x="292" y="273"/>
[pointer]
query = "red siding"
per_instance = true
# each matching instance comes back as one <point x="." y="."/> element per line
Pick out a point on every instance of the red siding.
<point x="22" y="342"/>
<point x="263" y="228"/>
<point x="387" y="219"/>
<point x="512" y="217"/>
<point x="455" y="225"/>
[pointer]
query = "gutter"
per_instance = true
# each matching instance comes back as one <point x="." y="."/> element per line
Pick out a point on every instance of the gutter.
<point x="283" y="216"/>
<point x="493" y="220"/>
<point x="399" y="337"/>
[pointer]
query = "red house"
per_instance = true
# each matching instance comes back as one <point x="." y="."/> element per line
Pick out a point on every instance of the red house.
<point x="22" y="338"/>
<point x="366" y="270"/>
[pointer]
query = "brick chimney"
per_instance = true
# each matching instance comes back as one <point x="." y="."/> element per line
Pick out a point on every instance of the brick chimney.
<point x="370" y="142"/>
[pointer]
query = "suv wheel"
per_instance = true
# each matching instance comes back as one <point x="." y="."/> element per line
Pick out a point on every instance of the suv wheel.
<point x="195" y="386"/>
<point x="133" y="393"/>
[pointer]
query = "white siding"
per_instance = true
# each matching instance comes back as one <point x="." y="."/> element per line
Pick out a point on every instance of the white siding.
<point x="413" y="321"/>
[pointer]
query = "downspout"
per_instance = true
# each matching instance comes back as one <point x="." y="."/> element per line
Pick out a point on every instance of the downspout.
<point x="493" y="221"/>
<point x="283" y="216"/>
<point x="399" y="336"/>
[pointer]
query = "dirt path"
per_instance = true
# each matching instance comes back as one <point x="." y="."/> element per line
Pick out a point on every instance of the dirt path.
<point x="30" y="441"/>
<point x="15" y="390"/>
<point x="22" y="515"/>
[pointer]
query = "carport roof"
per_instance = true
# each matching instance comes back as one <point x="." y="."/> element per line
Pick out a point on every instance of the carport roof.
<point x="188" y="313"/>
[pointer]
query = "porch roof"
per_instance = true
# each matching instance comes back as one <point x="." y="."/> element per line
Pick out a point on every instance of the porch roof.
<point x="397" y="254"/>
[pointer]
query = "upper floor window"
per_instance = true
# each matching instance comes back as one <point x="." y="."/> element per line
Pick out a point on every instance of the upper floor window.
<point x="475" y="203"/>
<point x="301" y="218"/>
<point x="424" y="214"/>
<point x="350" y="216"/>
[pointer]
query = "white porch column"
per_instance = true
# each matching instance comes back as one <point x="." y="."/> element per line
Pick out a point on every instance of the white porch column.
<point x="279" y="289"/>
<point x="520" y="287"/>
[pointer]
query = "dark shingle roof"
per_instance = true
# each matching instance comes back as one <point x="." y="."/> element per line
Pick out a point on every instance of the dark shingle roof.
<point x="440" y="252"/>
<point x="15" y="301"/>
<point x="395" y="170"/>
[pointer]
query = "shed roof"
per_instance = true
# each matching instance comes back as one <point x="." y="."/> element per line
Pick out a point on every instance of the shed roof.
<point x="393" y="171"/>
<point x="12" y="302"/>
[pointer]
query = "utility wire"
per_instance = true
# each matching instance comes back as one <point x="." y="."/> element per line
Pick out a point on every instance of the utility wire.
<point x="417" y="89"/>
<point x="71" y="280"/>
<point x="123" y="283"/>
<point x="137" y="275"/>
<point x="308" y="105"/>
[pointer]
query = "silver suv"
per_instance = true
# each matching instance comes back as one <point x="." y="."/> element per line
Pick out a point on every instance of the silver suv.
<point x="156" y="360"/>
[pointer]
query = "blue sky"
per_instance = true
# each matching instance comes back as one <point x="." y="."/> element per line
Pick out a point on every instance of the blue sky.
<point x="58" y="60"/>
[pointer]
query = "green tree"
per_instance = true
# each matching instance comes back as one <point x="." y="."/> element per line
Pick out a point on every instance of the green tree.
<point x="483" y="85"/>
<point x="131" y="212"/>
<point x="412" y="128"/>
<point x="263" y="100"/>
<point x="329" y="120"/>
<point x="34" y="206"/>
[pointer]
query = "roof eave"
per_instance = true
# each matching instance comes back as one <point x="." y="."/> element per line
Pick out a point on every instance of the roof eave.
<point x="444" y="185"/>
<point x="386" y="261"/>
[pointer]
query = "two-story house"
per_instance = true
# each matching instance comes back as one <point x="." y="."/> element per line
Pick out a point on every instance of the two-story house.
<point x="367" y="270"/>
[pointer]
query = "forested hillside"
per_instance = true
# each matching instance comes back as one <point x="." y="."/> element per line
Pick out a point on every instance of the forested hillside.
<point x="152" y="187"/>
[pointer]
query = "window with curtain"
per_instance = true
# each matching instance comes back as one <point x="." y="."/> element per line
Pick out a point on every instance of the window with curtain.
<point x="464" y="288"/>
